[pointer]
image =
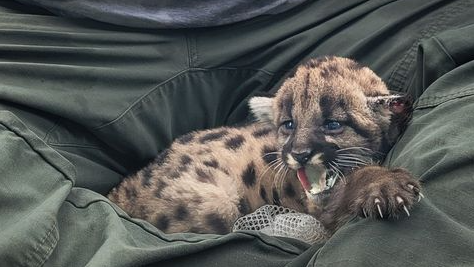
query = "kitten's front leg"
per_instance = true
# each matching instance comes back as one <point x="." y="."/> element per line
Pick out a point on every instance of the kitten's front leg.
<point x="372" y="191"/>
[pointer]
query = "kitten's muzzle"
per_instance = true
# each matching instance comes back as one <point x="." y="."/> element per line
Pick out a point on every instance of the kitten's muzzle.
<point x="302" y="157"/>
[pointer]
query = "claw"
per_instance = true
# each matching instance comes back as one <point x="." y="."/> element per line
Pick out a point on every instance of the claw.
<point x="399" y="200"/>
<point x="406" y="210"/>
<point x="365" y="213"/>
<point x="420" y="196"/>
<point x="411" y="186"/>
<point x="377" y="201"/>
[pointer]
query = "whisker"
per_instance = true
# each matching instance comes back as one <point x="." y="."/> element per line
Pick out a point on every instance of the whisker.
<point x="335" y="174"/>
<point x="348" y="166"/>
<point x="353" y="163"/>
<point x="353" y="158"/>
<point x="356" y="162"/>
<point x="271" y="165"/>
<point x="358" y="155"/>
<point x="271" y="153"/>
<point x="355" y="148"/>
<point x="283" y="180"/>
<point x="339" y="173"/>
<point x="275" y="183"/>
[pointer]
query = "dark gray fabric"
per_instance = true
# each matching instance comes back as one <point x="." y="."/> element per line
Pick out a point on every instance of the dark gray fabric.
<point x="166" y="13"/>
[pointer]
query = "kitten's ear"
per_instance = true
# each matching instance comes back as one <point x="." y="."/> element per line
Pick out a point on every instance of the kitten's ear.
<point x="401" y="107"/>
<point x="262" y="108"/>
<point x="397" y="104"/>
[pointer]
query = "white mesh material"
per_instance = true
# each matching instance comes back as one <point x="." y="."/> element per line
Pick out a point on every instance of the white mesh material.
<point x="279" y="221"/>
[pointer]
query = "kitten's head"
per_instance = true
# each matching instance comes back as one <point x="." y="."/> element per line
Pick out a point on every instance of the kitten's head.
<point x="332" y="112"/>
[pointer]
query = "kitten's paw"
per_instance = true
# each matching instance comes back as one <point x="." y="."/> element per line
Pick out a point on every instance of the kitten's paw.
<point x="386" y="193"/>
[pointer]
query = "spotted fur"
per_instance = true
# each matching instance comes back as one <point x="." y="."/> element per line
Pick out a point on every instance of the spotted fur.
<point x="208" y="179"/>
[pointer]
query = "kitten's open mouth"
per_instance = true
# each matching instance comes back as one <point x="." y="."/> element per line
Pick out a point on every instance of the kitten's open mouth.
<point x="315" y="179"/>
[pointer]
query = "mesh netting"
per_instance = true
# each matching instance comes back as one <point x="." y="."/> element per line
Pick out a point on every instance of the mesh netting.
<point x="279" y="221"/>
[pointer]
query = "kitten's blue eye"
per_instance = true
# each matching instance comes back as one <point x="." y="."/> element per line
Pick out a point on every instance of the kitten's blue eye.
<point x="289" y="125"/>
<point x="333" y="127"/>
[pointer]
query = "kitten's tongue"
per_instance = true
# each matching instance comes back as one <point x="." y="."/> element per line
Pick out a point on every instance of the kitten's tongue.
<point x="312" y="179"/>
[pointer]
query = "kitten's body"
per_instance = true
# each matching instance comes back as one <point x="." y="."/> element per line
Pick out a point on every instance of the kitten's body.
<point x="332" y="116"/>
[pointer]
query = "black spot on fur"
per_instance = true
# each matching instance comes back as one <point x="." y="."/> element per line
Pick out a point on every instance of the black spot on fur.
<point x="248" y="176"/>
<point x="213" y="136"/>
<point x="326" y="104"/>
<point x="224" y="171"/>
<point x="161" y="158"/>
<point x="306" y="88"/>
<point x="147" y="176"/>
<point x="289" y="190"/>
<point x="286" y="105"/>
<point x="276" y="197"/>
<point x="181" y="212"/>
<point x="130" y="192"/>
<point x="204" y="176"/>
<point x="263" y="194"/>
<point x="184" y="139"/>
<point x="204" y="151"/>
<point x="174" y="174"/>
<point x="325" y="73"/>
<point x="244" y="206"/>
<point x="160" y="186"/>
<point x="262" y="132"/>
<point x="182" y="168"/>
<point x="354" y="65"/>
<point x="211" y="163"/>
<point x="141" y="211"/>
<point x="268" y="154"/>
<point x="217" y="223"/>
<point x="162" y="223"/>
<point x="333" y="69"/>
<point x="235" y="142"/>
<point x="185" y="159"/>
<point x="197" y="200"/>
<point x="316" y="62"/>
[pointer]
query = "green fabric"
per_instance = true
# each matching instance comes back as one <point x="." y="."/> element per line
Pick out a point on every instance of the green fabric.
<point x="85" y="103"/>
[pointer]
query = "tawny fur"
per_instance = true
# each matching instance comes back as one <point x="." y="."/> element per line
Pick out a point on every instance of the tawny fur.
<point x="207" y="179"/>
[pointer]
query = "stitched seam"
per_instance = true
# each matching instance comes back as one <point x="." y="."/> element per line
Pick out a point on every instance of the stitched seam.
<point x="434" y="100"/>
<point x="47" y="251"/>
<point x="73" y="145"/>
<point x="140" y="99"/>
<point x="50" y="130"/>
<point x="173" y="240"/>
<point x="194" y="52"/>
<point x="188" y="48"/>
<point x="443" y="47"/>
<point x="45" y="159"/>
<point x="399" y="77"/>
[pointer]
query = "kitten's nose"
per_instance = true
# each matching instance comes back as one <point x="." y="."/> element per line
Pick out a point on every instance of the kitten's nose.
<point x="301" y="156"/>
